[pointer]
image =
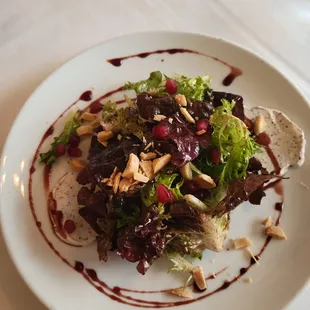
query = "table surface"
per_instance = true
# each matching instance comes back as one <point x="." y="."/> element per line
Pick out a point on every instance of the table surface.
<point x="36" y="37"/>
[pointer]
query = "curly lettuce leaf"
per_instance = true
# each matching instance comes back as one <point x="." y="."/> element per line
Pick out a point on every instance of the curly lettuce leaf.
<point x="231" y="136"/>
<point x="122" y="120"/>
<point x="152" y="83"/>
<point x="179" y="263"/>
<point x="72" y="123"/>
<point x="194" y="87"/>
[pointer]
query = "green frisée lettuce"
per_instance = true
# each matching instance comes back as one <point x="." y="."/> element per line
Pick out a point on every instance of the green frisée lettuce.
<point x="232" y="138"/>
<point x="179" y="263"/>
<point x="122" y="120"/>
<point x="189" y="87"/>
<point x="153" y="82"/>
<point x="72" y="123"/>
<point x="193" y="87"/>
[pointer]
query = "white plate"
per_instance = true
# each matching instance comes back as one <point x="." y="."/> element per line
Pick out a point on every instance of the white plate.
<point x="284" y="267"/>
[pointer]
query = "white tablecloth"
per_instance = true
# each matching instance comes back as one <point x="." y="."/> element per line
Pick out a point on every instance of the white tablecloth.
<point x="37" y="36"/>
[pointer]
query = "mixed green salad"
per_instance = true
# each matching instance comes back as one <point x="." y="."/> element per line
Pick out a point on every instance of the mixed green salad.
<point x="164" y="172"/>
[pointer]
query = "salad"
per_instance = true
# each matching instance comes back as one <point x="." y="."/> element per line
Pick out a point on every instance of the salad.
<point x="164" y="172"/>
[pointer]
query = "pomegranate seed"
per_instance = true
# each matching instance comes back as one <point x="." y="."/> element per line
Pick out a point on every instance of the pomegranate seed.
<point x="74" y="151"/>
<point x="69" y="226"/>
<point x="160" y="131"/>
<point x="202" y="124"/>
<point x="164" y="195"/>
<point x="60" y="150"/>
<point x="171" y="87"/>
<point x="95" y="107"/>
<point x="74" y="141"/>
<point x="215" y="156"/>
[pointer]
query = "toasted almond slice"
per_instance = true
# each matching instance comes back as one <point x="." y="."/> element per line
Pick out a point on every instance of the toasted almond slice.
<point x="182" y="292"/>
<point x="125" y="184"/>
<point x="267" y="221"/>
<point x="159" y="117"/>
<point x="105" y="180"/>
<point x="95" y="123"/>
<point x="148" y="146"/>
<point x="252" y="255"/>
<point x="89" y="116"/>
<point x="248" y="280"/>
<point x="147" y="168"/>
<point x="186" y="172"/>
<point x="187" y="116"/>
<point x="200" y="132"/>
<point x="161" y="162"/>
<point x="195" y="203"/>
<point x="84" y="130"/>
<point x="119" y="137"/>
<point x="77" y="164"/>
<point x="106" y="126"/>
<point x="242" y="243"/>
<point x="199" y="278"/>
<point x="103" y="136"/>
<point x="140" y="177"/>
<point x="275" y="232"/>
<point x="148" y="156"/>
<point x="204" y="181"/>
<point x="116" y="182"/>
<point x="259" y="124"/>
<point x="180" y="100"/>
<point x="110" y="181"/>
<point x="132" y="166"/>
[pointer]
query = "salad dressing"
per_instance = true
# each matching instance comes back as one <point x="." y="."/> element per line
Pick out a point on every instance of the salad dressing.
<point x="234" y="71"/>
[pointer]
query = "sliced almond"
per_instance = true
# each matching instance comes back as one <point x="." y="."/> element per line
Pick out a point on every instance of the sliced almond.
<point x="95" y="123"/>
<point x="148" y="146"/>
<point x="147" y="168"/>
<point x="125" y="184"/>
<point x="84" y="130"/>
<point x="204" y="181"/>
<point x="77" y="164"/>
<point x="116" y="182"/>
<point x="200" y="132"/>
<point x="106" y="126"/>
<point x="159" y="117"/>
<point x="148" y="156"/>
<point x="182" y="292"/>
<point x="195" y="203"/>
<point x="267" y="221"/>
<point x="89" y="116"/>
<point x="186" y="172"/>
<point x="275" y="232"/>
<point x="242" y="243"/>
<point x="259" y="124"/>
<point x="248" y="280"/>
<point x="180" y="100"/>
<point x="252" y="255"/>
<point x="104" y="136"/>
<point x="132" y="166"/>
<point x="187" y="116"/>
<point x="199" y="278"/>
<point x="161" y="162"/>
<point x="119" y="137"/>
<point x="110" y="181"/>
<point x="140" y="177"/>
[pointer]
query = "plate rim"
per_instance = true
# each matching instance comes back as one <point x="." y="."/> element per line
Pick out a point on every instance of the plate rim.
<point x="9" y="248"/>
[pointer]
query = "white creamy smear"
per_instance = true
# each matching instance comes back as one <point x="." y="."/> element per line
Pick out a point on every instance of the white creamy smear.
<point x="287" y="139"/>
<point x="65" y="194"/>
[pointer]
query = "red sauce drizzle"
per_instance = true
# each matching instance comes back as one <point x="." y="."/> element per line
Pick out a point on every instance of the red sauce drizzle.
<point x="87" y="96"/>
<point x="234" y="72"/>
<point x="117" y="293"/>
